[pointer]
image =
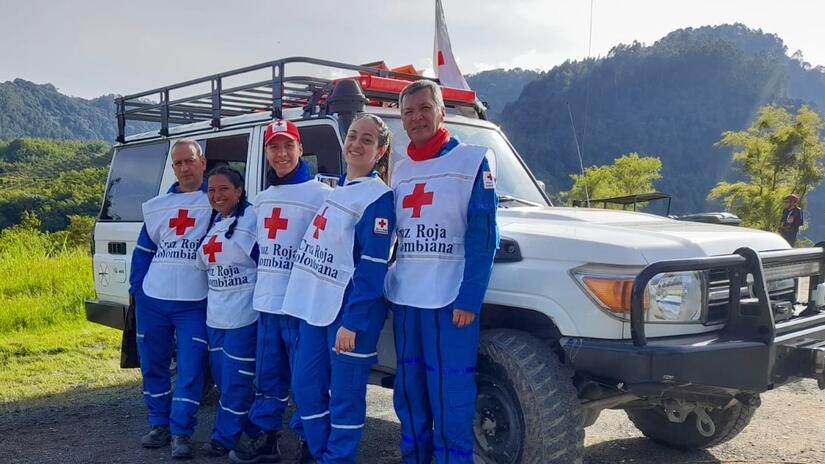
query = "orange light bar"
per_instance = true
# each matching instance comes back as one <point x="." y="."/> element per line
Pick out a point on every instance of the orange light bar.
<point x="395" y="86"/>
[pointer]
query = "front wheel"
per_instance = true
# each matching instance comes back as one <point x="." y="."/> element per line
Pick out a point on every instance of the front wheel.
<point x="527" y="409"/>
<point x="727" y="423"/>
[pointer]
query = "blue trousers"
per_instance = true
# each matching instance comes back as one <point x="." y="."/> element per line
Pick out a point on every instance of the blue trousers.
<point x="232" y="360"/>
<point x="160" y="324"/>
<point x="274" y="355"/>
<point x="435" y="390"/>
<point x="331" y="389"/>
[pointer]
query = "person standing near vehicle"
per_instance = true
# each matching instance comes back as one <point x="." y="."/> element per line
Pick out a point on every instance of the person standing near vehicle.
<point x="791" y="219"/>
<point x="445" y="204"/>
<point x="283" y="211"/>
<point x="170" y="302"/>
<point x="229" y="255"/>
<point x="337" y="290"/>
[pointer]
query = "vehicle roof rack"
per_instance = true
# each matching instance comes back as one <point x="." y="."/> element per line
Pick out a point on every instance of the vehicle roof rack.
<point x="281" y="90"/>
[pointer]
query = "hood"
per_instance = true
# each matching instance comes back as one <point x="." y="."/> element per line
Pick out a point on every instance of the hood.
<point x="622" y="237"/>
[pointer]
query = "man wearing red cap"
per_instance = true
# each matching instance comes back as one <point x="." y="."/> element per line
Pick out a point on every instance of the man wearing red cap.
<point x="791" y="219"/>
<point x="284" y="210"/>
<point x="447" y="237"/>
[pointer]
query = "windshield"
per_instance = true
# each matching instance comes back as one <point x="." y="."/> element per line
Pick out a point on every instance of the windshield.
<point x="512" y="177"/>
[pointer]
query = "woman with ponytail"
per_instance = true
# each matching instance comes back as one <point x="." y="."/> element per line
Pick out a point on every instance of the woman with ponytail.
<point x="229" y="254"/>
<point x="337" y="291"/>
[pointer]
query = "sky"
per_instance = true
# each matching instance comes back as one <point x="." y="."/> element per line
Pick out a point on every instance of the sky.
<point x="88" y="48"/>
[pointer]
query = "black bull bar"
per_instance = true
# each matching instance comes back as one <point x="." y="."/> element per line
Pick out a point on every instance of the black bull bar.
<point x="796" y="347"/>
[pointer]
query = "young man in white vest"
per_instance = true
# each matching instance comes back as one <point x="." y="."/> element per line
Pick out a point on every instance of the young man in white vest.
<point x="170" y="302"/>
<point x="445" y="205"/>
<point x="284" y="211"/>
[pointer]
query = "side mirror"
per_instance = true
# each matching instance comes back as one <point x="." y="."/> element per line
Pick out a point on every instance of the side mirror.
<point x="542" y="185"/>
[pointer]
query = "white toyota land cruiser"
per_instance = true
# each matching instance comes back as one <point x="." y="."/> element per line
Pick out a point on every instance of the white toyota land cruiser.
<point x="681" y="324"/>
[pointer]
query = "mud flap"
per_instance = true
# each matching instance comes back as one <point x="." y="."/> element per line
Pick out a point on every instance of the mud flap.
<point x="129" y="358"/>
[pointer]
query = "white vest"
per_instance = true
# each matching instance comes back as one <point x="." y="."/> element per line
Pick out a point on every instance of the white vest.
<point x="431" y="201"/>
<point x="231" y="272"/>
<point x="283" y="213"/>
<point x="176" y="222"/>
<point x="324" y="266"/>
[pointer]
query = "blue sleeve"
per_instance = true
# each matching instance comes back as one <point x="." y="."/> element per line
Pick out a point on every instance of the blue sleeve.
<point x="480" y="244"/>
<point x="141" y="259"/>
<point x="371" y="263"/>
<point x="256" y="253"/>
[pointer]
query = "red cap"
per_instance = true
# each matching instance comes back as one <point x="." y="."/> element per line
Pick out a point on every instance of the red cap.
<point x="281" y="127"/>
<point x="792" y="197"/>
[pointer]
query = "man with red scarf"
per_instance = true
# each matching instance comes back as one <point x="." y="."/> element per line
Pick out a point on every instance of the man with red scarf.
<point x="447" y="237"/>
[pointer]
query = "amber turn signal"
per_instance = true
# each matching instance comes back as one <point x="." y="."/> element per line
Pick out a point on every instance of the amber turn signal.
<point x="614" y="294"/>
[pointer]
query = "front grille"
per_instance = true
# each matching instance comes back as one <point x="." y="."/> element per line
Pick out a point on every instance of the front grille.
<point x="718" y="304"/>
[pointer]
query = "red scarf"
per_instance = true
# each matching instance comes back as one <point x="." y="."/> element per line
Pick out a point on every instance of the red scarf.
<point x="429" y="149"/>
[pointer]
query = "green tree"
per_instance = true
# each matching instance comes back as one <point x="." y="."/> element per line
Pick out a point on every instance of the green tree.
<point x="627" y="175"/>
<point x="779" y="154"/>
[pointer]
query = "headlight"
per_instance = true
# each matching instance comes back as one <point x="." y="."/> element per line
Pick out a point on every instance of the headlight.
<point x="675" y="297"/>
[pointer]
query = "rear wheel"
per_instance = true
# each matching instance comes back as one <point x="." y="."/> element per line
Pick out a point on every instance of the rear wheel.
<point x="727" y="423"/>
<point x="527" y="409"/>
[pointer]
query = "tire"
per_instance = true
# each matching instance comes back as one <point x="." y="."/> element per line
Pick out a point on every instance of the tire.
<point x="654" y="424"/>
<point x="527" y="409"/>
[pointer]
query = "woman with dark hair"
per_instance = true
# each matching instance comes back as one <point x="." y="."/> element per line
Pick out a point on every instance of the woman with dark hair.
<point x="229" y="254"/>
<point x="337" y="290"/>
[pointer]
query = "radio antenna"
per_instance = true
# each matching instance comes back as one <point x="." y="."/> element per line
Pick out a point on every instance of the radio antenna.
<point x="579" y="151"/>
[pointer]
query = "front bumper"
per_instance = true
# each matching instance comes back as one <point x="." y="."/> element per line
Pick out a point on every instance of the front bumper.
<point x="106" y="312"/>
<point x="704" y="360"/>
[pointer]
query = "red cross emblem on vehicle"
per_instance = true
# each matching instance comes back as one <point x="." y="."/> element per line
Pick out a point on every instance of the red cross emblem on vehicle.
<point x="275" y="223"/>
<point x="418" y="199"/>
<point x="212" y="247"/>
<point x="182" y="222"/>
<point x="320" y="223"/>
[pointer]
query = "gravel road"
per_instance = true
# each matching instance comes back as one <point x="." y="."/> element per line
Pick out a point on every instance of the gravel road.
<point x="104" y="426"/>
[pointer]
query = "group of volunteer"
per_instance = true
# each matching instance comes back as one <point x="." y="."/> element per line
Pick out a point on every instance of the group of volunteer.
<point x="287" y="296"/>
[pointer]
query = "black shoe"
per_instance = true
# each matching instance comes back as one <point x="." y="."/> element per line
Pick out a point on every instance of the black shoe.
<point x="182" y="447"/>
<point x="262" y="449"/>
<point x="158" y="437"/>
<point x="215" y="448"/>
<point x="303" y="456"/>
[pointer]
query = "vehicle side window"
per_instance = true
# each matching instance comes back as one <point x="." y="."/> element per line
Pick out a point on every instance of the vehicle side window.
<point x="134" y="177"/>
<point x="322" y="151"/>
<point x="230" y="150"/>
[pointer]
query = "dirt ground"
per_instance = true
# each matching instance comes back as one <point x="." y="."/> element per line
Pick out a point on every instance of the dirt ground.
<point x="104" y="426"/>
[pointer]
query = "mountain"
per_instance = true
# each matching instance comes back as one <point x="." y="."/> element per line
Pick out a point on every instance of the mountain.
<point x="671" y="99"/>
<point x="499" y="87"/>
<point x="40" y="110"/>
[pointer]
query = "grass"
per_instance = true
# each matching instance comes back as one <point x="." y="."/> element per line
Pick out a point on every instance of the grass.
<point x="41" y="283"/>
<point x="47" y="349"/>
<point x="39" y="364"/>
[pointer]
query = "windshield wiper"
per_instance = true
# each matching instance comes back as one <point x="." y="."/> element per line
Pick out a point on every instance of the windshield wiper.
<point x="510" y="198"/>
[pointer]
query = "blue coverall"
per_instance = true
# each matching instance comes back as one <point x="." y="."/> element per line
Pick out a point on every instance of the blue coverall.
<point x="160" y="324"/>
<point x="330" y="388"/>
<point x="435" y="388"/>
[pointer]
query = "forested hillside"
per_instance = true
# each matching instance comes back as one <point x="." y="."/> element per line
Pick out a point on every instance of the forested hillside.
<point x="52" y="179"/>
<point x="672" y="99"/>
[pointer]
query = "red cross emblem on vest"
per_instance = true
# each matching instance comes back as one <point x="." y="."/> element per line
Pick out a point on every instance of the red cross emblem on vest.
<point x="182" y="222"/>
<point x="320" y="223"/>
<point x="212" y="247"/>
<point x="418" y="199"/>
<point x="275" y="223"/>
